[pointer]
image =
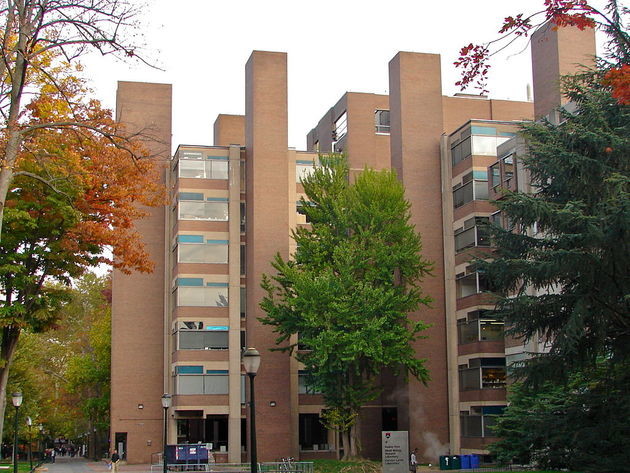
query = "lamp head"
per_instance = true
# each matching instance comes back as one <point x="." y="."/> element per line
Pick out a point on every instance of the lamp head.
<point x="29" y="421"/>
<point x="251" y="361"/>
<point x="166" y="400"/>
<point x="16" y="398"/>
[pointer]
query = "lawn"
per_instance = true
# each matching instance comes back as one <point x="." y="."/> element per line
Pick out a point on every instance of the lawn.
<point x="23" y="467"/>
<point x="367" y="466"/>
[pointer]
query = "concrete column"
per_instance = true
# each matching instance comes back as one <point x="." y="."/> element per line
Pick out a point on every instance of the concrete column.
<point x="267" y="235"/>
<point x="234" y="304"/>
<point x="416" y="127"/>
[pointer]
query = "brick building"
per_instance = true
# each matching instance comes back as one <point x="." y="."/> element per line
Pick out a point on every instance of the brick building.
<point x="232" y="207"/>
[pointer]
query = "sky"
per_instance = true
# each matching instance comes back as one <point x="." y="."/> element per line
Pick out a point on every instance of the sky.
<point x="201" y="47"/>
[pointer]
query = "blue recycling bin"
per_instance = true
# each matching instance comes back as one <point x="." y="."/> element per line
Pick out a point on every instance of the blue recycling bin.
<point x="474" y="461"/>
<point x="465" y="462"/>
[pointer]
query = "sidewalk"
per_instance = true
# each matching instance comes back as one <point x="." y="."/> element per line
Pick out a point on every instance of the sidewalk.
<point x="81" y="465"/>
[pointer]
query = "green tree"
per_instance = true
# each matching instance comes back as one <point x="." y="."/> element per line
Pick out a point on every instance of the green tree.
<point x="581" y="425"/>
<point x="570" y="282"/>
<point x="64" y="372"/>
<point x="348" y="289"/>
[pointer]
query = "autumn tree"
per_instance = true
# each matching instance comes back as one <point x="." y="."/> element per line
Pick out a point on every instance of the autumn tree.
<point x="74" y="193"/>
<point x="474" y="58"/>
<point x="348" y="289"/>
<point x="39" y="40"/>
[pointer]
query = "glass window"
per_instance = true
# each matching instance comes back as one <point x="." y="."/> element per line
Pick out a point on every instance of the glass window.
<point x="302" y="171"/>
<point x="243" y="210"/>
<point x="381" y="121"/>
<point x="461" y="151"/>
<point x="202" y="296"/>
<point x="495" y="175"/>
<point x="213" y="211"/>
<point x="203" y="384"/>
<point x="243" y="302"/>
<point x="203" y="340"/>
<point x="202" y="253"/>
<point x="303" y="384"/>
<point x="313" y="435"/>
<point x="243" y="260"/>
<point x="341" y="127"/>
<point x="193" y="169"/>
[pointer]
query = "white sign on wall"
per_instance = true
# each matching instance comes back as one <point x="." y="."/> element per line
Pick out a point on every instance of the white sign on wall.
<point x="395" y="448"/>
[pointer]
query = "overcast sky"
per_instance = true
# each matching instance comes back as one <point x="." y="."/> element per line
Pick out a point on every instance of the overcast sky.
<point x="333" y="47"/>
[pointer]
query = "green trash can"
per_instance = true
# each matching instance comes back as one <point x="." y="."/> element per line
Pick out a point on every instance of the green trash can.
<point x="445" y="462"/>
<point x="456" y="462"/>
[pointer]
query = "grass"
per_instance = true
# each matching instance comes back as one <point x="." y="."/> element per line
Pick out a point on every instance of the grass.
<point x="368" y="466"/>
<point x="23" y="467"/>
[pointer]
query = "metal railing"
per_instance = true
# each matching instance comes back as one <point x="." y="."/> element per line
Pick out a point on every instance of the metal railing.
<point x="263" y="467"/>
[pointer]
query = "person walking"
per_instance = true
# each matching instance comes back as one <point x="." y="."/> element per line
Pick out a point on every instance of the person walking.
<point x="114" y="461"/>
<point x="413" y="461"/>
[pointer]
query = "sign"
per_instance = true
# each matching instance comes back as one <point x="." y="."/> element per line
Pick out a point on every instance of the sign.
<point x="395" y="448"/>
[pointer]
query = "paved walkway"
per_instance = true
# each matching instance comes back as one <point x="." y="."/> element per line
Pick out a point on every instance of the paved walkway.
<point x="81" y="465"/>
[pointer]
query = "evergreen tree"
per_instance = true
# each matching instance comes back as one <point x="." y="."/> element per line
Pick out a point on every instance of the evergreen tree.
<point x="570" y="283"/>
<point x="348" y="289"/>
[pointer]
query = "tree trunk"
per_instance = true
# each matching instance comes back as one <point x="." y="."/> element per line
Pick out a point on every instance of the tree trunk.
<point x="8" y="345"/>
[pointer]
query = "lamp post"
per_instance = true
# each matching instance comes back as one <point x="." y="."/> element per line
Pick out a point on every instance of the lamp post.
<point x="29" y="422"/>
<point x="166" y="403"/>
<point x="16" y="398"/>
<point x="251" y="362"/>
<point x="41" y="442"/>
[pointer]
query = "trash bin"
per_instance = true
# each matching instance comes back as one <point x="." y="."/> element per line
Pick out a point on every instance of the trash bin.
<point x="445" y="462"/>
<point x="465" y="462"/>
<point x="456" y="462"/>
<point x="474" y="461"/>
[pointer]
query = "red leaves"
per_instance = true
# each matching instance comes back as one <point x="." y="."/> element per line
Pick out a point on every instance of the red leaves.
<point x="473" y="59"/>
<point x="517" y="26"/>
<point x="619" y="80"/>
<point x="569" y="13"/>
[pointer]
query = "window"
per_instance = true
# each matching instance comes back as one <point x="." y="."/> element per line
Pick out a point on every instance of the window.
<point x="210" y="382"/>
<point x="210" y="251"/>
<point x="475" y="233"/>
<point x="495" y="175"/>
<point x="243" y="210"/>
<point x="243" y="302"/>
<point x="216" y="210"/>
<point x="215" y="167"/>
<point x="196" y="295"/>
<point x="243" y="260"/>
<point x="381" y="121"/>
<point x="341" y="127"/>
<point x="474" y="186"/>
<point x="304" y="385"/>
<point x="483" y="373"/>
<point x="460" y="150"/>
<point x="303" y="169"/>
<point x="313" y="434"/>
<point x="212" y="338"/>
<point x="479" y="422"/>
<point x="470" y="283"/>
<point x="479" y="327"/>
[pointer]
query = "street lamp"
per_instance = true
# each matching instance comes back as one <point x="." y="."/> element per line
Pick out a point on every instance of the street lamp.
<point x="166" y="403"/>
<point x="17" y="402"/>
<point x="41" y="442"/>
<point x="251" y="362"/>
<point x="29" y="422"/>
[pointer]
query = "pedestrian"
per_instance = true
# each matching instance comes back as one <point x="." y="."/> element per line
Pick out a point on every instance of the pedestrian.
<point x="413" y="461"/>
<point x="114" y="461"/>
<point x="53" y="454"/>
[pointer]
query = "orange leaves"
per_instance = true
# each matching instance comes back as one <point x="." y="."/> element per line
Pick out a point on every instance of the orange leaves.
<point x="518" y="25"/>
<point x="106" y="177"/>
<point x="619" y="80"/>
